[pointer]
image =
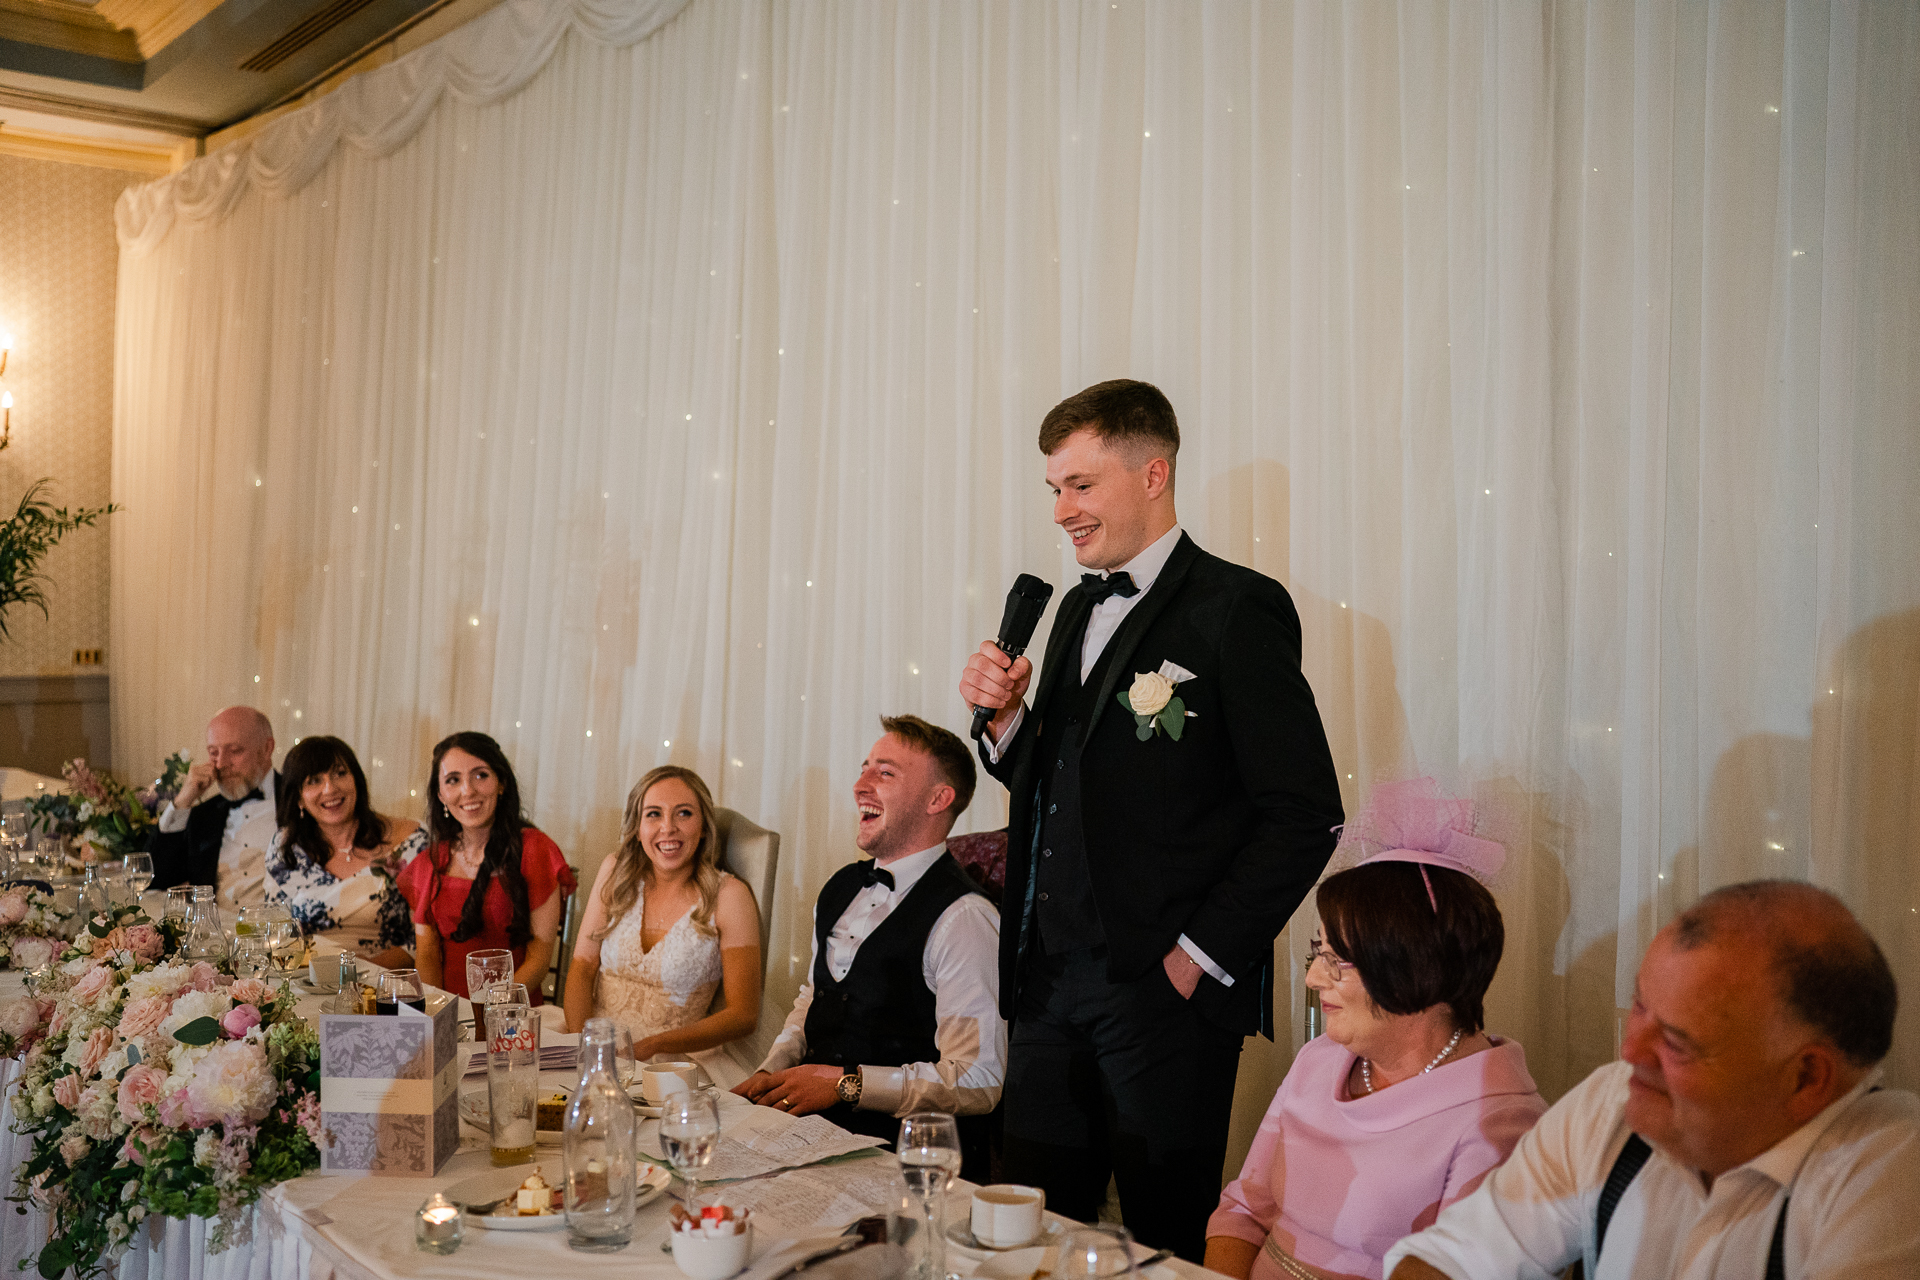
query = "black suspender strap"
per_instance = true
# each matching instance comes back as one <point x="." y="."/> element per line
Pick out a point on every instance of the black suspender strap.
<point x="1626" y="1167"/>
<point x="1777" y="1252"/>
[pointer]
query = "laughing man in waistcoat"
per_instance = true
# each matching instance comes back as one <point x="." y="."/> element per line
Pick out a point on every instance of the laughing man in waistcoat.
<point x="1172" y="801"/>
<point x="901" y="1009"/>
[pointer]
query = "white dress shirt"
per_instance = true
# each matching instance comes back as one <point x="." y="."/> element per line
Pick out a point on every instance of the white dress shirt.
<point x="961" y="966"/>
<point x="251" y="826"/>
<point x="1103" y="623"/>
<point x="1853" y="1173"/>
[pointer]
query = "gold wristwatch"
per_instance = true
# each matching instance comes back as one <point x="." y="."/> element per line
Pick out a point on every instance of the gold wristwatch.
<point x="849" y="1088"/>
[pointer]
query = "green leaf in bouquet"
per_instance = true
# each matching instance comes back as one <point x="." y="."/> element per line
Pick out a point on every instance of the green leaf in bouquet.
<point x="98" y="929"/>
<point x="199" y="1031"/>
<point x="1173" y="718"/>
<point x="1145" y="729"/>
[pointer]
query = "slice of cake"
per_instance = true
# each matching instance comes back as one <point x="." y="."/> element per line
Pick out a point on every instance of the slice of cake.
<point x="551" y="1113"/>
<point x="536" y="1197"/>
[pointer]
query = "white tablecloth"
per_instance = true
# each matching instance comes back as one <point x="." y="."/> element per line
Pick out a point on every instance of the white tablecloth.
<point x="358" y="1227"/>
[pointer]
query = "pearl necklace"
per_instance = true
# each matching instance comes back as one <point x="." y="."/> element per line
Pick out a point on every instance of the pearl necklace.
<point x="1366" y="1069"/>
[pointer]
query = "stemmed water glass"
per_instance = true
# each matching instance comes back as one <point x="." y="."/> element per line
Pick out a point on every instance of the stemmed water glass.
<point x="625" y="1065"/>
<point x="929" y="1151"/>
<point x="689" y="1133"/>
<point x="138" y="873"/>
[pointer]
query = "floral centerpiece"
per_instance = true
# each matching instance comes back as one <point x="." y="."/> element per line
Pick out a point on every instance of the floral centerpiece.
<point x="106" y="813"/>
<point x="34" y="927"/>
<point x="152" y="1084"/>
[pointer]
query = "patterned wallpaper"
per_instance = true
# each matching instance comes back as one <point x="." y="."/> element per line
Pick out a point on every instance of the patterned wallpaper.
<point x="57" y="268"/>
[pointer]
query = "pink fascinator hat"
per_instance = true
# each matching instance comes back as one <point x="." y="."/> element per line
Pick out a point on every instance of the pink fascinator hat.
<point x="1413" y="821"/>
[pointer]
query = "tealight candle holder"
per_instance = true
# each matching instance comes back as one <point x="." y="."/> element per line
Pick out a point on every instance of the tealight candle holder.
<point x="437" y="1228"/>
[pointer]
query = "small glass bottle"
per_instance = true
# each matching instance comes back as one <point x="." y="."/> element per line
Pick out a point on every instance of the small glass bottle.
<point x="94" y="896"/>
<point x="598" y="1149"/>
<point x="206" y="938"/>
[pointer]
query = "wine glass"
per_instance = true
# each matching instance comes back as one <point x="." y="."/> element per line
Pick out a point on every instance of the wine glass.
<point x="397" y="987"/>
<point x="486" y="967"/>
<point x="138" y="873"/>
<point x="929" y="1151"/>
<point x="689" y="1132"/>
<point x="1098" y="1251"/>
<point x="252" y="954"/>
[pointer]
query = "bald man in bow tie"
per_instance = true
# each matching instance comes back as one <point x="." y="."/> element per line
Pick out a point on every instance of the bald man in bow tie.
<point x="901" y="1009"/>
<point x="1172" y="801"/>
<point x="217" y="830"/>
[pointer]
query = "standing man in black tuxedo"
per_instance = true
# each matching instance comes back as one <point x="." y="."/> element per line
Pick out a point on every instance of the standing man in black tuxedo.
<point x="1173" y="800"/>
<point x="217" y="830"/>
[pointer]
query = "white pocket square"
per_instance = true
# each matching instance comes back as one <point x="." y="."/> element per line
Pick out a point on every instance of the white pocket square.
<point x="1175" y="672"/>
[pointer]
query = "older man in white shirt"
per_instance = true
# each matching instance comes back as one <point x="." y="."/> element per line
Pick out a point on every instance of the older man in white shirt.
<point x="901" y="1011"/>
<point x="1742" y="1135"/>
<point x="218" y="828"/>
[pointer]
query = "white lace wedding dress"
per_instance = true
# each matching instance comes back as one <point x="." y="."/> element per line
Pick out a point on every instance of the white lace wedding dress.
<point x="670" y="986"/>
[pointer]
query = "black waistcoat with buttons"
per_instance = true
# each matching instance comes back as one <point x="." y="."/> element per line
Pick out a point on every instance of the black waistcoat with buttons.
<point x="1064" y="908"/>
<point x="881" y="1014"/>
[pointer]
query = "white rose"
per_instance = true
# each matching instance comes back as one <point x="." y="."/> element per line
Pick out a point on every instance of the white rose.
<point x="193" y="1005"/>
<point x="1150" y="693"/>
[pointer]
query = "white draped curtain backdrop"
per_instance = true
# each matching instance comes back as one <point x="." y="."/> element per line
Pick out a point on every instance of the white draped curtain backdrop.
<point x="644" y="380"/>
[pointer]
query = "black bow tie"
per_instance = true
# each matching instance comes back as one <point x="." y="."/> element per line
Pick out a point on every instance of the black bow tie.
<point x="873" y="873"/>
<point x="1114" y="584"/>
<point x="251" y="795"/>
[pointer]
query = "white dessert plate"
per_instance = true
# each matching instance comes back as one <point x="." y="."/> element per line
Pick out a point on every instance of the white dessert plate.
<point x="486" y="1188"/>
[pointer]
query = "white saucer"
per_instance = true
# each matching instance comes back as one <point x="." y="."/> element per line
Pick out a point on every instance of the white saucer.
<point x="1051" y="1229"/>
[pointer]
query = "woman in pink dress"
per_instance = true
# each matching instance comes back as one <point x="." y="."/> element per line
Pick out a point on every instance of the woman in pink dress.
<point x="1406" y="1102"/>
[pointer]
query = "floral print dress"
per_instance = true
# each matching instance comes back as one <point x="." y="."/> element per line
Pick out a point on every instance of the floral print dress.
<point x="364" y="910"/>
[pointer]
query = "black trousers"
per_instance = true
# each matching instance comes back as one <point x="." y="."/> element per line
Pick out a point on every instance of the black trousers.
<point x="1120" y="1080"/>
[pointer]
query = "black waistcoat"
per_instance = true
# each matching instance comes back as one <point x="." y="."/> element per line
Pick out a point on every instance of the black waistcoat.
<point x="1063" y="904"/>
<point x="881" y="1014"/>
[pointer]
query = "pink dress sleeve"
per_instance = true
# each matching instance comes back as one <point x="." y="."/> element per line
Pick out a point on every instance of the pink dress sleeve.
<point x="1486" y="1147"/>
<point x="1247" y="1210"/>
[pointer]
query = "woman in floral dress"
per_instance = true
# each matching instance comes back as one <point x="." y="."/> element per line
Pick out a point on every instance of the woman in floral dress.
<point x="334" y="860"/>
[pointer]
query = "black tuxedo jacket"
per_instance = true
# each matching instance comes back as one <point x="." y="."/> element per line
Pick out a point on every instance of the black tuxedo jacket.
<point x="192" y="856"/>
<point x="1218" y="836"/>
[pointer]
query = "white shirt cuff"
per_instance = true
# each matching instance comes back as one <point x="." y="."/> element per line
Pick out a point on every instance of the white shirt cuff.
<point x="1201" y="958"/>
<point x="995" y="748"/>
<point x="173" y="820"/>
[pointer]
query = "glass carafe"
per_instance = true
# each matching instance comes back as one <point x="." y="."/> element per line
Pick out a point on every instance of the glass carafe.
<point x="598" y="1148"/>
<point x="206" y="938"/>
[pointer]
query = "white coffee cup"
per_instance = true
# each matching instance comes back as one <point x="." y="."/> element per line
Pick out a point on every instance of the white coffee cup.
<point x="658" y="1079"/>
<point x="1006" y="1215"/>
<point x="324" y="971"/>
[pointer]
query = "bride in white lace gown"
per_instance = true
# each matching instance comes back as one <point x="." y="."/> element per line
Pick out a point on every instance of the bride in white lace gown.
<point x="665" y="930"/>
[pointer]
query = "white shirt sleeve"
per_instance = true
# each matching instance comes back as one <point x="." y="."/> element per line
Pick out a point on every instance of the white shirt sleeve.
<point x="994" y="749"/>
<point x="173" y="820"/>
<point x="961" y="966"/>
<point x="789" y="1048"/>
<point x="1205" y="961"/>
<point x="1529" y="1218"/>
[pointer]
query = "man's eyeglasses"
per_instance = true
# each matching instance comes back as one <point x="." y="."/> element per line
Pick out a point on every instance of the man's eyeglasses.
<point x="1316" y="950"/>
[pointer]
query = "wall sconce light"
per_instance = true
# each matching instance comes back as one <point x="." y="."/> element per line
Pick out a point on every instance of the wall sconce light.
<point x="6" y="345"/>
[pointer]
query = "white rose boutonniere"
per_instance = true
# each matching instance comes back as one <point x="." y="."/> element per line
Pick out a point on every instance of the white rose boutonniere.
<point x="1155" y="706"/>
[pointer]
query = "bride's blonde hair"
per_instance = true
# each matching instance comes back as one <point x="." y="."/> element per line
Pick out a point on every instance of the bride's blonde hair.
<point x="635" y="868"/>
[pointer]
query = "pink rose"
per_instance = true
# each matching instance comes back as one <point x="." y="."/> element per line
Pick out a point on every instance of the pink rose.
<point x="74" y="1148"/>
<point x="144" y="1016"/>
<point x="203" y="976"/>
<point x="58" y="1022"/>
<point x="146" y="942"/>
<point x="240" y="1019"/>
<point x="249" y="991"/>
<point x="99" y="1045"/>
<point x="19" y="1018"/>
<point x="139" y="1087"/>
<point x="66" y="1092"/>
<point x="116" y="939"/>
<point x="13" y="906"/>
<point x="140" y="1141"/>
<point x="93" y="984"/>
<point x="32" y="953"/>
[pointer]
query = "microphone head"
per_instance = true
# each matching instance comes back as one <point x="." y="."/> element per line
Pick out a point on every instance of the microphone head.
<point x="1025" y="603"/>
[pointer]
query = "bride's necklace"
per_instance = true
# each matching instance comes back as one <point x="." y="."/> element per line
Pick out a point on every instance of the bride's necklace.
<point x="1366" y="1068"/>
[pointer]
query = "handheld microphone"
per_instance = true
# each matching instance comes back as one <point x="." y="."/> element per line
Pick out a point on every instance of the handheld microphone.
<point x="1025" y="603"/>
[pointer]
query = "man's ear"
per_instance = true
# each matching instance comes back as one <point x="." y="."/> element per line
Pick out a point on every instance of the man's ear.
<point x="941" y="798"/>
<point x="1159" y="477"/>
<point x="1820" y="1075"/>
